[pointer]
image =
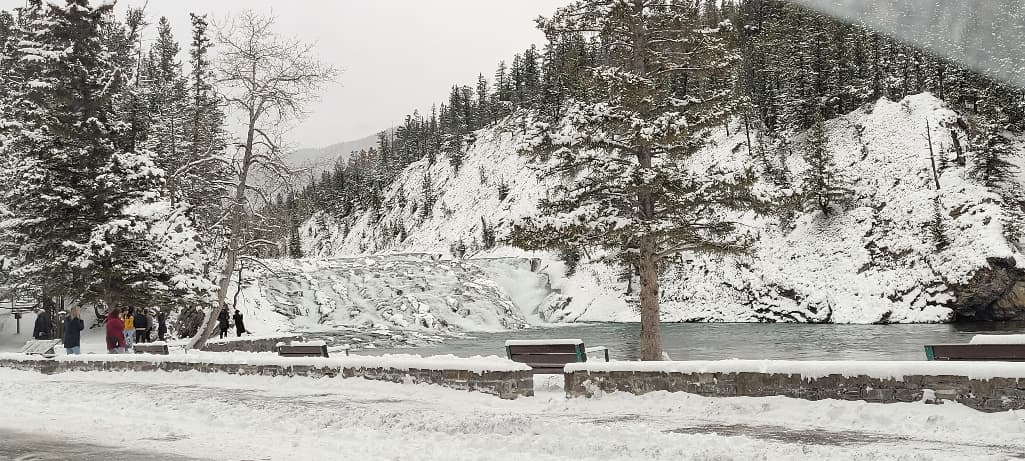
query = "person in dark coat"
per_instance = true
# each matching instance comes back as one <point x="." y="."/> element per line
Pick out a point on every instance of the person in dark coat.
<point x="222" y="323"/>
<point x="73" y="326"/>
<point x="240" y="327"/>
<point x="161" y="325"/>
<point x="44" y="327"/>
<point x="141" y="326"/>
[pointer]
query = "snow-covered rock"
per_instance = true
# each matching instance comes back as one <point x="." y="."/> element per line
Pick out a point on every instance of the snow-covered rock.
<point x="414" y="292"/>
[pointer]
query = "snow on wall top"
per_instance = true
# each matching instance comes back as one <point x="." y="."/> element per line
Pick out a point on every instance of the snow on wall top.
<point x="539" y="342"/>
<point x="476" y="364"/>
<point x="817" y="369"/>
<point x="997" y="339"/>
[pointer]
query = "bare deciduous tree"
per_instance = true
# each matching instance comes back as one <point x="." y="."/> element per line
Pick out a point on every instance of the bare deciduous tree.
<point x="267" y="80"/>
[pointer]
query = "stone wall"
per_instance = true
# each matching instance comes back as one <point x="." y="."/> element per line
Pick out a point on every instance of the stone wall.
<point x="995" y="394"/>
<point x="248" y="344"/>
<point x="505" y="384"/>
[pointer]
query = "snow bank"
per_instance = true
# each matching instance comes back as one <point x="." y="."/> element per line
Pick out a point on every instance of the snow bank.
<point x="817" y="369"/>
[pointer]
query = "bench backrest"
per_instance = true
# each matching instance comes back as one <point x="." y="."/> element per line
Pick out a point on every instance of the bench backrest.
<point x="548" y="358"/>
<point x="302" y="350"/>
<point x="160" y="349"/>
<point x="980" y="352"/>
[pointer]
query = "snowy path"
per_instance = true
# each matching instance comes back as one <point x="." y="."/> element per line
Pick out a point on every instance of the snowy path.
<point x="261" y="418"/>
<point x="34" y="447"/>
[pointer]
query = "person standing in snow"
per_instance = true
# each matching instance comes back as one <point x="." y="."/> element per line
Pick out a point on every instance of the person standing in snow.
<point x="141" y="327"/>
<point x="115" y="332"/>
<point x="44" y="327"/>
<point x="129" y="329"/>
<point x="73" y="326"/>
<point x="222" y="323"/>
<point x="239" y="326"/>
<point x="161" y="325"/>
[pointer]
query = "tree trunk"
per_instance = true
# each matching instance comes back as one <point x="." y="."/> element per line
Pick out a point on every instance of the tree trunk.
<point x="959" y="159"/>
<point x="210" y="321"/>
<point x="651" y="336"/>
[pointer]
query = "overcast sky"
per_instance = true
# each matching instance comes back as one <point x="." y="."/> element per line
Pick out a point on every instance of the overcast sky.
<point x="395" y="55"/>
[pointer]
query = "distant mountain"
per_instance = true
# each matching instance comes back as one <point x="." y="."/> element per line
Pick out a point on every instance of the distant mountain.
<point x="324" y="158"/>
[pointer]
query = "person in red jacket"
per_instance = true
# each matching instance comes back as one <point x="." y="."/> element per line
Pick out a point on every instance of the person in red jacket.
<point x="115" y="332"/>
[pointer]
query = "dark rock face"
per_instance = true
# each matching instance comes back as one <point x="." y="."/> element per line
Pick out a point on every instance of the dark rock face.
<point x="995" y="293"/>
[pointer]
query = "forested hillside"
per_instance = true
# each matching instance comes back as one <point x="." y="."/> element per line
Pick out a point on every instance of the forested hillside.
<point x="839" y="195"/>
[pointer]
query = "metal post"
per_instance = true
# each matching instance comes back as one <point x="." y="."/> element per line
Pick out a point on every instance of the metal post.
<point x="17" y="318"/>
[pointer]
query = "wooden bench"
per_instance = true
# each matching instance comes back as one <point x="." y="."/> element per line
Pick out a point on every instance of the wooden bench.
<point x="551" y="355"/>
<point x="1003" y="348"/>
<point x="42" y="347"/>
<point x="303" y="350"/>
<point x="151" y="348"/>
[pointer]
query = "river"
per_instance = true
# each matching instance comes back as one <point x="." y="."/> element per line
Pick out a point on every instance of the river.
<point x="719" y="341"/>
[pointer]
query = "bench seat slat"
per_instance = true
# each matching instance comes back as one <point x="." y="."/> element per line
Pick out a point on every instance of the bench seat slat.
<point x="300" y="350"/>
<point x="545" y="358"/>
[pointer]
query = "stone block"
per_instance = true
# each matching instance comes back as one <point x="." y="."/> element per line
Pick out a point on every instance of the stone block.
<point x="907" y="395"/>
<point x="944" y="382"/>
<point x="879" y="395"/>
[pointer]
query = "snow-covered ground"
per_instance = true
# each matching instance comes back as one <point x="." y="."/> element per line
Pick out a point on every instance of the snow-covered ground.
<point x="222" y="417"/>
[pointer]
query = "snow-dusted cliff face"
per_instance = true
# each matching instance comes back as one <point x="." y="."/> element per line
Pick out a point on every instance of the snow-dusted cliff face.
<point x="877" y="260"/>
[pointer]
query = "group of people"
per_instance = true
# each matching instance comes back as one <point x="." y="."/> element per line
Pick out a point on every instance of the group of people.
<point x="223" y="326"/>
<point x="124" y="329"/>
<point x="73" y="326"/>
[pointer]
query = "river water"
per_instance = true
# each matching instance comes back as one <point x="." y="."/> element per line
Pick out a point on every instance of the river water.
<point x="720" y="341"/>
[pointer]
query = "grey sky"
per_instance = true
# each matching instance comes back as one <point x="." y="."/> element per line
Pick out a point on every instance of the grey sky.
<point x="396" y="55"/>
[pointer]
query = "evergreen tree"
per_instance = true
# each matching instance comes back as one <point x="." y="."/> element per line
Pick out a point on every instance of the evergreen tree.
<point x="822" y="187"/>
<point x="937" y="226"/>
<point x="991" y="145"/>
<point x="629" y="147"/>
<point x="87" y="215"/>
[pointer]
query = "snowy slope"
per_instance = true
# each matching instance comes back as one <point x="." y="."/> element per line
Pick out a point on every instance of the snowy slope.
<point x="875" y="261"/>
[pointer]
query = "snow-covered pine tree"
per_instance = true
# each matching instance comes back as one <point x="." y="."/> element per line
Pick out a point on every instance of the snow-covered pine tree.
<point x="938" y="226"/>
<point x="991" y="146"/>
<point x="822" y="187"/>
<point x="87" y="216"/>
<point x="163" y="78"/>
<point x="625" y="153"/>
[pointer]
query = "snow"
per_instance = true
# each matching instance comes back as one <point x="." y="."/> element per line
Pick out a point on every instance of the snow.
<point x="997" y="339"/>
<point x="407" y="292"/>
<point x="872" y="262"/>
<point x="538" y="342"/>
<point x="817" y="369"/>
<point x="213" y="416"/>
<point x="476" y="364"/>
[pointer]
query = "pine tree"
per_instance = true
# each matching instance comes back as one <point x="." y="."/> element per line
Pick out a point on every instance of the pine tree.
<point x="629" y="147"/>
<point x="991" y="146"/>
<point x="822" y="187"/>
<point x="87" y="215"/>
<point x="937" y="226"/>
